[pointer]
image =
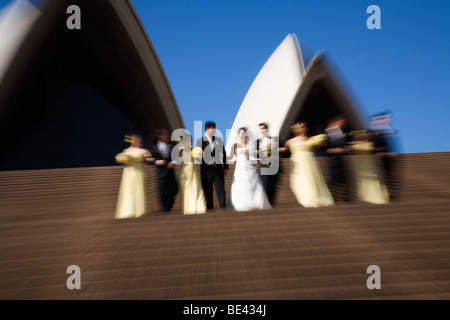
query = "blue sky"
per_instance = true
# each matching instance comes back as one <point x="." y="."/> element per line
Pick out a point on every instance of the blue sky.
<point x="212" y="50"/>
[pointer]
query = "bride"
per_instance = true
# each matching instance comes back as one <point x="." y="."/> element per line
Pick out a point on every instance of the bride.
<point x="247" y="191"/>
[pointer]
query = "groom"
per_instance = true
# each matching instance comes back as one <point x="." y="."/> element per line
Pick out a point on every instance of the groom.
<point x="269" y="180"/>
<point x="214" y="166"/>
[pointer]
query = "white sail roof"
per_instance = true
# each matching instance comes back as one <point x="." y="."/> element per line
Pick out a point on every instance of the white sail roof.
<point x="16" y="19"/>
<point x="272" y="92"/>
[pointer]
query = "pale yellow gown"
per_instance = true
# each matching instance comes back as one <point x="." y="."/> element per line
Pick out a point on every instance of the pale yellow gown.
<point x="131" y="201"/>
<point x="306" y="179"/>
<point x="194" y="201"/>
<point x="367" y="180"/>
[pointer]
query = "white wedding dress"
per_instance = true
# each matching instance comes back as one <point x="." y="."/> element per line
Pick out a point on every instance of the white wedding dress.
<point x="247" y="190"/>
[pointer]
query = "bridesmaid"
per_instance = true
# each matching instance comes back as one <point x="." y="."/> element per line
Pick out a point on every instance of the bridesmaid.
<point x="306" y="180"/>
<point x="369" y="186"/>
<point x="194" y="201"/>
<point x="131" y="201"/>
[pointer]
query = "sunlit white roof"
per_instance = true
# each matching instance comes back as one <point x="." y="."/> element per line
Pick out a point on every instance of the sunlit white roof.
<point x="273" y="90"/>
<point x="16" y="20"/>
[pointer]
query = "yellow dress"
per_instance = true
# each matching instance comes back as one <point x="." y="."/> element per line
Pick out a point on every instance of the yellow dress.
<point x="131" y="201"/>
<point x="306" y="179"/>
<point x="194" y="201"/>
<point x="368" y="184"/>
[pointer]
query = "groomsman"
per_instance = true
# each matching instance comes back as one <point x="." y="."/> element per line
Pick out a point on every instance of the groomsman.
<point x="214" y="166"/>
<point x="167" y="184"/>
<point x="337" y="139"/>
<point x="264" y="144"/>
<point x="386" y="146"/>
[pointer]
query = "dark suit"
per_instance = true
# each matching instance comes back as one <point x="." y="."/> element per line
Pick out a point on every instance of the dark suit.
<point x="269" y="180"/>
<point x="167" y="184"/>
<point x="385" y="142"/>
<point x="336" y="138"/>
<point x="213" y="175"/>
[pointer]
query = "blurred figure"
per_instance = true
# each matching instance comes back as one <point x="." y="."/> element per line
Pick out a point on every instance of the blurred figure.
<point x="306" y="180"/>
<point x="247" y="190"/>
<point x="194" y="201"/>
<point x="131" y="202"/>
<point x="368" y="183"/>
<point x="167" y="184"/>
<point x="386" y="146"/>
<point x="264" y="145"/>
<point x="337" y="139"/>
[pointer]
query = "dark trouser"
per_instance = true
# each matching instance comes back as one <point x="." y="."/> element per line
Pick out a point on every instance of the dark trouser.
<point x="214" y="177"/>
<point x="168" y="189"/>
<point x="391" y="175"/>
<point x="270" y="184"/>
<point x="337" y="174"/>
<point x="338" y="179"/>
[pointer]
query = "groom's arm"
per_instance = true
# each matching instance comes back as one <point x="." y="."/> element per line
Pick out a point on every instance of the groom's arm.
<point x="257" y="149"/>
<point x="155" y="155"/>
<point x="159" y="159"/>
<point x="225" y="161"/>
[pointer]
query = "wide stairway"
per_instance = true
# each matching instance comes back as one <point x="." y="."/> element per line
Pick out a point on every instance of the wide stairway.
<point x="51" y="219"/>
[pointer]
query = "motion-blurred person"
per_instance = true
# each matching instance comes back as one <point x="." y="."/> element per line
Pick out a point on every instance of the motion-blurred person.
<point x="167" y="184"/>
<point x="369" y="186"/>
<point x="194" y="201"/>
<point x="337" y="139"/>
<point x="306" y="179"/>
<point x="131" y="202"/>
<point x="264" y="145"/>
<point x="387" y="146"/>
<point x="247" y="189"/>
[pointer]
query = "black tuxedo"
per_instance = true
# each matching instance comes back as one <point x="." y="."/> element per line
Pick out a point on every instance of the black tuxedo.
<point x="269" y="181"/>
<point x="167" y="184"/>
<point x="386" y="145"/>
<point x="212" y="174"/>
<point x="337" y="138"/>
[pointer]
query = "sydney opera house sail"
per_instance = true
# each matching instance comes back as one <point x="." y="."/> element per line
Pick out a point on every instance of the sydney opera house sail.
<point x="16" y="20"/>
<point x="273" y="90"/>
<point x="68" y="96"/>
<point x="320" y="97"/>
<point x="284" y="92"/>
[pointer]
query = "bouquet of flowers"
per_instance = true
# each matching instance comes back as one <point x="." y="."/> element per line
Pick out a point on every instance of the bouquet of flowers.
<point x="362" y="147"/>
<point x="123" y="158"/>
<point x="265" y="152"/>
<point x="317" y="140"/>
<point x="266" y="148"/>
<point x="196" y="155"/>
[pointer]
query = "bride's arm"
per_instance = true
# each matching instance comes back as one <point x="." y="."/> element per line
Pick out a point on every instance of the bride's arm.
<point x="232" y="153"/>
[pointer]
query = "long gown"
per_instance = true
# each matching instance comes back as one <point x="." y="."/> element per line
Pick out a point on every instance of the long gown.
<point x="131" y="201"/>
<point x="194" y="201"/>
<point x="367" y="180"/>
<point x="306" y="179"/>
<point x="247" y="190"/>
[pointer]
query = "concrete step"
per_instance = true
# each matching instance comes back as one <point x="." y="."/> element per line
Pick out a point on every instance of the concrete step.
<point x="50" y="219"/>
